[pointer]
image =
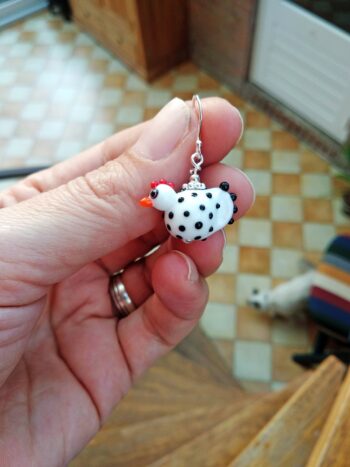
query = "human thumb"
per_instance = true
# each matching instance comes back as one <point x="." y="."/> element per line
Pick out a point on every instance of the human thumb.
<point x="52" y="235"/>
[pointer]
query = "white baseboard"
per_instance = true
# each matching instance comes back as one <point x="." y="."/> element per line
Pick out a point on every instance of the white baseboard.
<point x="13" y="10"/>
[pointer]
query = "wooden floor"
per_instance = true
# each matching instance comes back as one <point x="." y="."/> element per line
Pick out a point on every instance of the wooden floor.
<point x="189" y="411"/>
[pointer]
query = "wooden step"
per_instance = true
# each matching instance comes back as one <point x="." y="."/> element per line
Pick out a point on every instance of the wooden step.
<point x="217" y="446"/>
<point x="289" y="437"/>
<point x="333" y="445"/>
<point x="139" y="444"/>
<point x="198" y="348"/>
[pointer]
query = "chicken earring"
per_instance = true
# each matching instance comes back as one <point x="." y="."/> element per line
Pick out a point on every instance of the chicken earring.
<point x="195" y="212"/>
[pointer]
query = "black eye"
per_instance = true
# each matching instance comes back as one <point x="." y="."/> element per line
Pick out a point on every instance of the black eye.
<point x="154" y="194"/>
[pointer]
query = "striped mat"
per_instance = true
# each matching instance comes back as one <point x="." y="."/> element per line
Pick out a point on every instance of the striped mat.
<point x="329" y="301"/>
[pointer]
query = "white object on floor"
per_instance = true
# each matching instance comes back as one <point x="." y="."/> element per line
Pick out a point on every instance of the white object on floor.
<point x="286" y="299"/>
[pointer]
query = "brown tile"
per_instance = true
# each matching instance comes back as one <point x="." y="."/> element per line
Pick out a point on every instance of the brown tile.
<point x="165" y="81"/>
<point x="284" y="140"/>
<point x="314" y="257"/>
<point x="312" y="162"/>
<point x="286" y="184"/>
<point x="75" y="130"/>
<point x="115" y="80"/>
<point x="287" y="234"/>
<point x="133" y="98"/>
<point x="221" y="288"/>
<point x="186" y="68"/>
<point x="98" y="64"/>
<point x="256" y="119"/>
<point x="225" y="347"/>
<point x="340" y="186"/>
<point x="260" y="160"/>
<point x="105" y="114"/>
<point x="343" y="230"/>
<point x="231" y="233"/>
<point x="275" y="281"/>
<point x="27" y="129"/>
<point x="283" y="368"/>
<point x="27" y="36"/>
<point x="233" y="99"/>
<point x="207" y="82"/>
<point x="254" y="260"/>
<point x="150" y="112"/>
<point x="318" y="210"/>
<point x="253" y="325"/>
<point x="260" y="208"/>
<point x="82" y="51"/>
<point x="184" y="95"/>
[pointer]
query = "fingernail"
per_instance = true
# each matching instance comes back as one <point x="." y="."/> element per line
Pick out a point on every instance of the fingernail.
<point x="165" y="131"/>
<point x="224" y="235"/>
<point x="250" y="183"/>
<point x="242" y="125"/>
<point x="192" y="273"/>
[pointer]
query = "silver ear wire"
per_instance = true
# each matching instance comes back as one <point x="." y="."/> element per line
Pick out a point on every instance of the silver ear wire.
<point x="197" y="158"/>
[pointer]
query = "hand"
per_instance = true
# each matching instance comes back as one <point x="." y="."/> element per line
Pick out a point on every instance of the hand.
<point x="65" y="360"/>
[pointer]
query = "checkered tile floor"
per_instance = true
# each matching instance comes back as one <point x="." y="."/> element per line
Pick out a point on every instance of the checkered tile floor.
<point x="60" y="93"/>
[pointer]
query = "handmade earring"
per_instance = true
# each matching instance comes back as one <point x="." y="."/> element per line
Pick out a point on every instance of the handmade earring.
<point x="195" y="212"/>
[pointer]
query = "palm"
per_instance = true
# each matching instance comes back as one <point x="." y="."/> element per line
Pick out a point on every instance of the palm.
<point x="71" y="374"/>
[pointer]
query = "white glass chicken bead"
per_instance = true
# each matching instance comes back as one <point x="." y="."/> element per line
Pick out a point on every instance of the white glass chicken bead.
<point x="193" y="214"/>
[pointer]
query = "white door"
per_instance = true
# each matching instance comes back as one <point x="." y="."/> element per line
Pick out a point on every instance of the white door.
<point x="304" y="62"/>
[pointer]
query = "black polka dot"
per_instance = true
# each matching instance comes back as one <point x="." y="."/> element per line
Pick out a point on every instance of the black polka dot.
<point x="233" y="196"/>
<point x="194" y="194"/>
<point x="235" y="209"/>
<point x="198" y="225"/>
<point x="181" y="199"/>
<point x="224" y="186"/>
<point x="211" y="215"/>
<point x="179" y="236"/>
<point x="186" y="213"/>
<point x="168" y="227"/>
<point x="171" y="215"/>
<point x="209" y="195"/>
<point x="217" y="205"/>
<point x="182" y="228"/>
<point x="211" y="229"/>
<point x="202" y="207"/>
<point x="204" y="239"/>
<point x="198" y="237"/>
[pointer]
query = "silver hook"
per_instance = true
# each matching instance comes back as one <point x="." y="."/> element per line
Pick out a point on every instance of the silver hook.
<point x="196" y="99"/>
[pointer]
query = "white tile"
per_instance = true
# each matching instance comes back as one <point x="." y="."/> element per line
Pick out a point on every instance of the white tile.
<point x="285" y="162"/>
<point x="61" y="51"/>
<point x="7" y="127"/>
<point x="254" y="232"/>
<point x="99" y="131"/>
<point x="230" y="259"/>
<point x="115" y="66"/>
<point x="92" y="81"/>
<point x="252" y="360"/>
<point x="110" y="97"/>
<point x="46" y="37"/>
<point x="257" y="139"/>
<point x="35" y="64"/>
<point x="339" y="217"/>
<point x="262" y="181"/>
<point x="185" y="83"/>
<point x="67" y="149"/>
<point x="7" y="77"/>
<point x="51" y="129"/>
<point x="245" y="283"/>
<point x="84" y="39"/>
<point x="134" y="83"/>
<point x="286" y="208"/>
<point x="82" y="113"/>
<point x="316" y="185"/>
<point x="317" y="236"/>
<point x="278" y="385"/>
<point x="34" y="111"/>
<point x="49" y="79"/>
<point x="9" y="36"/>
<point x="285" y="262"/>
<point x="19" y="147"/>
<point x="21" y="50"/>
<point x="19" y="93"/>
<point x="158" y="97"/>
<point x="234" y="158"/>
<point x="289" y="332"/>
<point x="219" y="321"/>
<point x="129" y="115"/>
<point x="65" y="95"/>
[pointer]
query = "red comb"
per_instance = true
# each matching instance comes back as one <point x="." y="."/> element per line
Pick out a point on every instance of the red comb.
<point x="162" y="181"/>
